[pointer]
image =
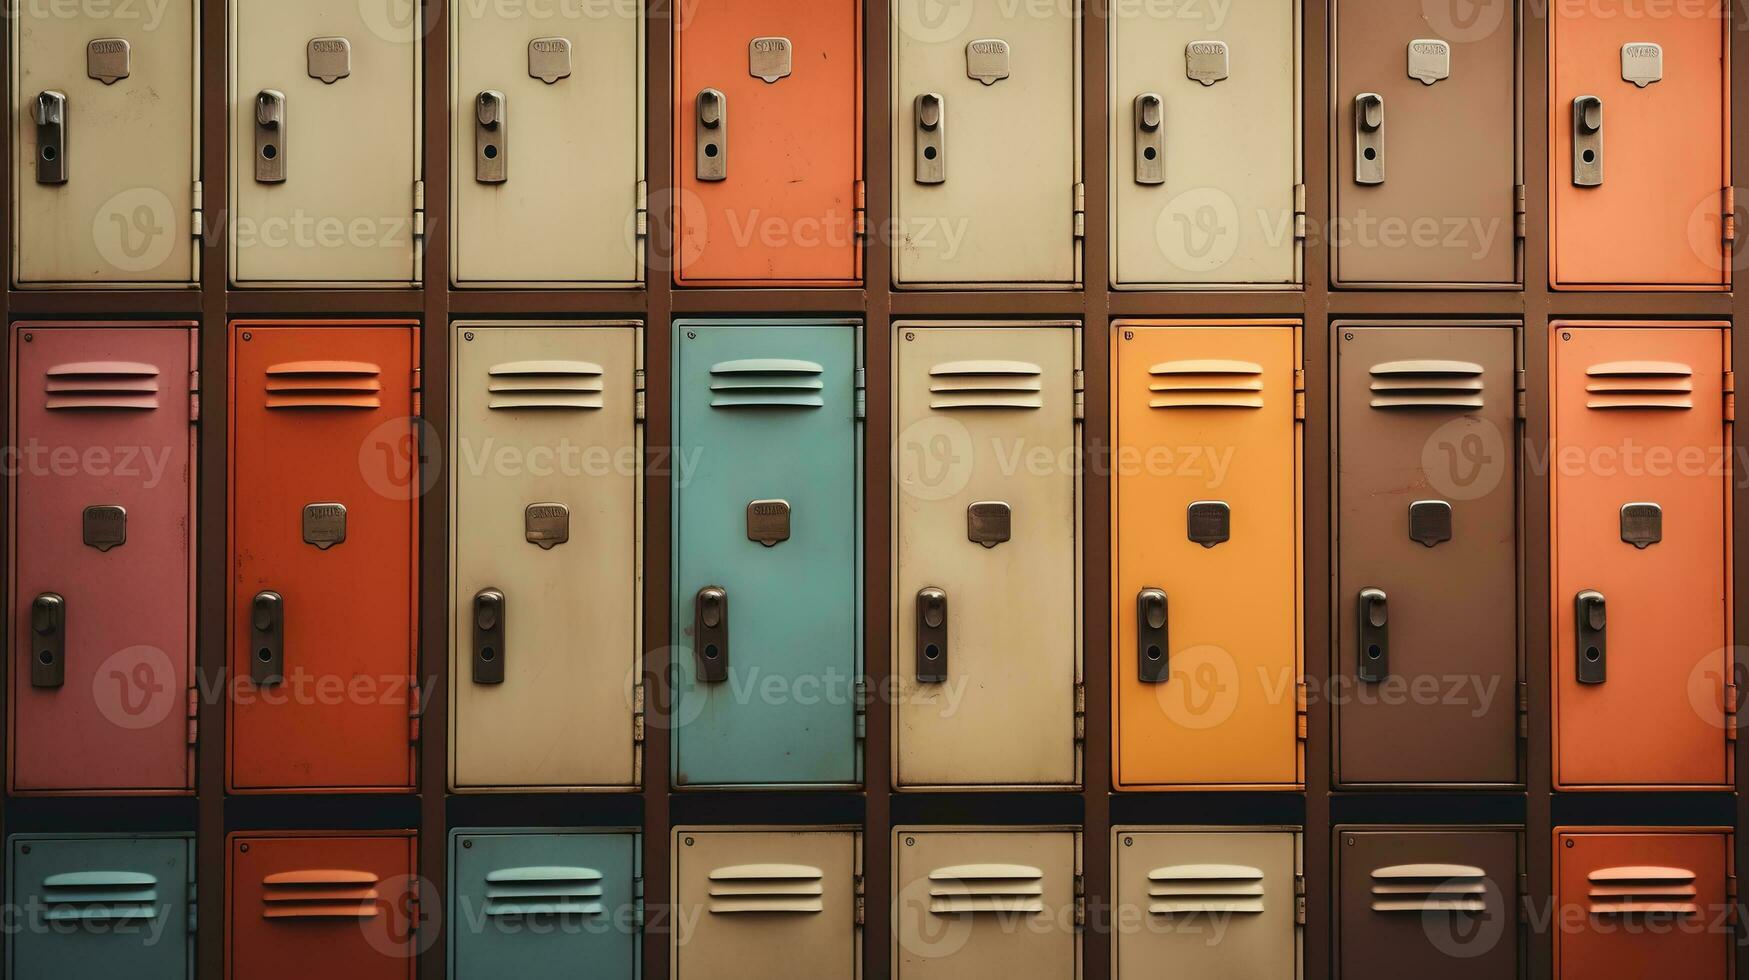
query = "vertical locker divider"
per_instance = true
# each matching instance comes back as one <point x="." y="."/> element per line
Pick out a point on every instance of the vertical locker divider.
<point x="1738" y="42"/>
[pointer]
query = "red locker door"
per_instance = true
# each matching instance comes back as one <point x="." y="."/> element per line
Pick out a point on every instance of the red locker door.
<point x="324" y="483"/>
<point x="329" y="906"/>
<point x="1647" y="903"/>
<point x="101" y="558"/>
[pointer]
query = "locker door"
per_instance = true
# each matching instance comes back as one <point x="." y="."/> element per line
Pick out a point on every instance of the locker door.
<point x="752" y="904"/>
<point x="985" y="697"/>
<point x="767" y="559"/>
<point x="1641" y="498"/>
<point x="985" y="903"/>
<point x="1208" y="193"/>
<point x="547" y="146"/>
<point x="1646" y="209"/>
<point x="1206" y="511"/>
<point x="1426" y="178"/>
<point x="325" y="905"/>
<point x="1652" y="901"/>
<point x="1210" y="903"/>
<point x="326" y="180"/>
<point x="546" y="453"/>
<point x="1427" y="522"/>
<point x="323" y="484"/>
<point x="544" y="906"/>
<point x="1433" y="903"/>
<point x="101" y="906"/>
<point x="102" y="557"/>
<point x="768" y="143"/>
<point x="105" y="143"/>
<point x="986" y="144"/>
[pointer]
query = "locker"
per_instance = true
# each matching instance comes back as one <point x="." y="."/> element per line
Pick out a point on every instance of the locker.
<point x="1207" y="664"/>
<point x="558" y="198"/>
<point x="319" y="903"/>
<point x="1427" y="178"/>
<point x="1426" y="524"/>
<point x="324" y="470"/>
<point x="101" y="905"/>
<point x="105" y="144"/>
<point x="753" y="902"/>
<point x="986" y="902"/>
<point x="1640" y="494"/>
<point x="768" y="553"/>
<point x="768" y="143"/>
<point x="987" y="184"/>
<point x="1435" y="903"/>
<point x="101" y="557"/>
<point x="546" y="450"/>
<point x="1642" y="902"/>
<point x="1211" y="902"/>
<point x="544" y="905"/>
<point x="1639" y="149"/>
<point x="326" y="181"/>
<point x="1198" y="201"/>
<point x="986" y="698"/>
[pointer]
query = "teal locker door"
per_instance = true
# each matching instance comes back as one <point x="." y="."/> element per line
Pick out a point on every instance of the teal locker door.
<point x="544" y="906"/>
<point x="767" y="510"/>
<point x="100" y="907"/>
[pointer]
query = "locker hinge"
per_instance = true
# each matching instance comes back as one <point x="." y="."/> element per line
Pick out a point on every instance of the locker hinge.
<point x="1519" y="212"/>
<point x="193" y="397"/>
<point x="643" y="209"/>
<point x="1730" y="712"/>
<point x="640" y="396"/>
<point x="1080" y="900"/>
<point x="194" y="716"/>
<point x="1523" y="898"/>
<point x="1302" y="705"/>
<point x="1080" y="394"/>
<point x="1299" y="394"/>
<point x="1730" y="396"/>
<point x="1520" y="400"/>
<point x="414" y="709"/>
<point x="1299" y="899"/>
<point x="861" y="901"/>
<point x="861" y="393"/>
<point x="197" y="219"/>
<point x="418" y="393"/>
<point x="1080" y="210"/>
<point x="638" y="712"/>
<point x="1299" y="212"/>
<point x="1728" y="220"/>
<point x="638" y="901"/>
<point x="861" y="695"/>
<point x="418" y="211"/>
<point x="1080" y="711"/>
<point x="859" y="194"/>
<point x="1523" y="710"/>
<point x="1731" y="897"/>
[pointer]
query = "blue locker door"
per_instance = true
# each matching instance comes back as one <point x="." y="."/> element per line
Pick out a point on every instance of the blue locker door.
<point x="100" y="907"/>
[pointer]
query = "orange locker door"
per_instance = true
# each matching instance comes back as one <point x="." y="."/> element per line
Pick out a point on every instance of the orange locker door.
<point x="324" y="473"/>
<point x="1648" y="904"/>
<point x="768" y="142"/>
<point x="1206" y="665"/>
<point x="1639" y="157"/>
<point x="1641" y="466"/>
<point x="338" y="907"/>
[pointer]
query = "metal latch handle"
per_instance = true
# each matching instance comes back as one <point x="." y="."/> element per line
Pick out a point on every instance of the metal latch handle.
<point x="267" y="639"/>
<point x="931" y="159"/>
<point x="491" y="161"/>
<point x="931" y="636"/>
<point x="1374" y="655"/>
<point x="1591" y="637"/>
<point x="710" y="634"/>
<point x="270" y="137"/>
<point x="489" y="631"/>
<point x="1587" y="141"/>
<point x="713" y="135"/>
<point x="48" y="639"/>
<point x="50" y="115"/>
<point x="1369" y="138"/>
<point x="1150" y="139"/>
<point x="1153" y="636"/>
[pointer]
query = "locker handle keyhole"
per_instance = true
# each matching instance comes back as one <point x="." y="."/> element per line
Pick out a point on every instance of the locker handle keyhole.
<point x="710" y="633"/>
<point x="489" y="636"/>
<point x="1153" y="637"/>
<point x="931" y="639"/>
<point x="1374" y="620"/>
<point x="1591" y="637"/>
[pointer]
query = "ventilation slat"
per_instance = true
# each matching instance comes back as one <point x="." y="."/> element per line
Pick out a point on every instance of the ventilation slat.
<point x="546" y="385"/>
<point x="972" y="888"/>
<point x="546" y="890"/>
<point x="768" y="382"/>
<point x="1655" y="385"/>
<point x="1205" y="383"/>
<point x="1642" y="890"/>
<point x="1193" y="889"/>
<point x="986" y="384"/>
<point x="1429" y="888"/>
<point x="128" y="386"/>
<point x="767" y="888"/>
<point x="324" y="384"/>
<point x="100" y="896"/>
<point x="320" y="894"/>
<point x="1427" y="384"/>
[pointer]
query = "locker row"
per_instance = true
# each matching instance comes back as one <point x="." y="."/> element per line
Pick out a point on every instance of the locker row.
<point x="766" y="186"/>
<point x="1444" y="903"/>
<point x="543" y="447"/>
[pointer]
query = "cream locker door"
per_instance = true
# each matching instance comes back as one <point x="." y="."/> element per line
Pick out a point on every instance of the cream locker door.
<point x="1209" y="195"/>
<point x="1212" y="903"/>
<point x="106" y="196"/>
<point x="986" y="904"/>
<point x="545" y="524"/>
<point x="329" y="90"/>
<point x="988" y="519"/>
<point x="996" y="203"/>
<point x="550" y="194"/>
<point x="758" y="903"/>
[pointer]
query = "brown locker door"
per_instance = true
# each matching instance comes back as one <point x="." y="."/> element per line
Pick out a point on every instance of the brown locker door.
<point x="1431" y="904"/>
<point x="1427" y="533"/>
<point x="1650" y="904"/>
